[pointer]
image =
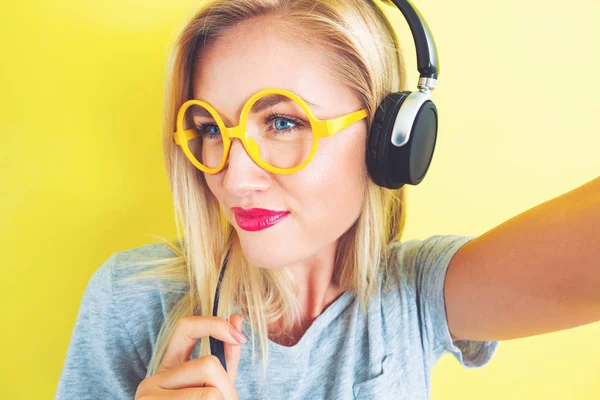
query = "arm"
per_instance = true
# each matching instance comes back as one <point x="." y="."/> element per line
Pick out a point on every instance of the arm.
<point x="536" y="273"/>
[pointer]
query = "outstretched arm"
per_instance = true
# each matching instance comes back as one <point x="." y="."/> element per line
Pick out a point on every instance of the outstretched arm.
<point x="536" y="273"/>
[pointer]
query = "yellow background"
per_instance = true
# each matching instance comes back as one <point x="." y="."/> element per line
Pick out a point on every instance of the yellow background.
<point x="82" y="169"/>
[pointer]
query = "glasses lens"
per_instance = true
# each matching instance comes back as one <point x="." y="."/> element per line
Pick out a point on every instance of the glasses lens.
<point x="207" y="147"/>
<point x="282" y="130"/>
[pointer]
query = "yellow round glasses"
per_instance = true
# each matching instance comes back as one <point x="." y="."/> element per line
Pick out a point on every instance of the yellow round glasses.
<point x="277" y="129"/>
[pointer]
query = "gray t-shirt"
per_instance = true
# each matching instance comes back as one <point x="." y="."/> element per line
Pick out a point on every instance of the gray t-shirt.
<point x="386" y="353"/>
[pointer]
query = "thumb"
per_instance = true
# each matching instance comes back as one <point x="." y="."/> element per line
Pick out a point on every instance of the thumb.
<point x="233" y="352"/>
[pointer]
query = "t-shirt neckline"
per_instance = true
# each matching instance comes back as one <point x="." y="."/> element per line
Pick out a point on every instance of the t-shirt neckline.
<point x="330" y="313"/>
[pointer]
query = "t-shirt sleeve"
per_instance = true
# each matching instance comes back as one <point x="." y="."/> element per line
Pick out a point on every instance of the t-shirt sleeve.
<point x="102" y="361"/>
<point x="425" y="263"/>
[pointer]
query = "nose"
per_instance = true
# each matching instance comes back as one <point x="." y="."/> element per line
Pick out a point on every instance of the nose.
<point x="242" y="174"/>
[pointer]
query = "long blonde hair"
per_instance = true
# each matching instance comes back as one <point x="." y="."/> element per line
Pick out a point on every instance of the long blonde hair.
<point x="359" y="42"/>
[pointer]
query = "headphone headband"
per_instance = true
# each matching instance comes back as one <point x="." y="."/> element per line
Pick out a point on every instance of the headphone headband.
<point x="427" y="57"/>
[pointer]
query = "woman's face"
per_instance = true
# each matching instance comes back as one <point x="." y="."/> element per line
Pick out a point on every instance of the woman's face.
<point x="322" y="200"/>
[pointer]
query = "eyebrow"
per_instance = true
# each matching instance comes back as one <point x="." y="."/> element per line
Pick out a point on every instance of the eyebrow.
<point x="273" y="99"/>
<point x="260" y="105"/>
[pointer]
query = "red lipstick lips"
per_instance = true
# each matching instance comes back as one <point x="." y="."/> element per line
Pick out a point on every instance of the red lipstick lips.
<point x="257" y="219"/>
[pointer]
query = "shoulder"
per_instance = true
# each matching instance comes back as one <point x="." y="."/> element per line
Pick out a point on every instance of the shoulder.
<point x="131" y="262"/>
<point x="409" y="260"/>
<point x="116" y="328"/>
<point x="145" y="276"/>
<point x="108" y="279"/>
<point x="141" y="303"/>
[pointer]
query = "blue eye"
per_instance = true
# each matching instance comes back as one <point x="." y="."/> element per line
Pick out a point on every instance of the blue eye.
<point x="284" y="125"/>
<point x="208" y="131"/>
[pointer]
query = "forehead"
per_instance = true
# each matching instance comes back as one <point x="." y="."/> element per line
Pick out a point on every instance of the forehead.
<point x="239" y="64"/>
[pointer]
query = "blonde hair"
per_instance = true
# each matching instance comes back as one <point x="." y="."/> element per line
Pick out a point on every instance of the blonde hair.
<point x="359" y="42"/>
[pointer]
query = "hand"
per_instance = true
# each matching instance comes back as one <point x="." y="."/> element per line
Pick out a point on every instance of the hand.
<point x="178" y="377"/>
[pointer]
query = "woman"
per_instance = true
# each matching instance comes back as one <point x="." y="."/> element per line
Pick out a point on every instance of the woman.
<point x="317" y="277"/>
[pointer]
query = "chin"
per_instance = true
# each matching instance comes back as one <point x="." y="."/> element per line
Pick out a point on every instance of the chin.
<point x="264" y="255"/>
<point x="264" y="261"/>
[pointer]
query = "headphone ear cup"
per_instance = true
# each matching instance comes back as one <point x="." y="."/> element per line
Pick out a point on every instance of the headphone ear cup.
<point x="393" y="167"/>
<point x="380" y="136"/>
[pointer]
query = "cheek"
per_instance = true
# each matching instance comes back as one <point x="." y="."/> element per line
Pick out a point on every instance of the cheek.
<point x="351" y="177"/>
<point x="335" y="181"/>
<point x="210" y="182"/>
<point x="215" y="185"/>
<point x="344" y="163"/>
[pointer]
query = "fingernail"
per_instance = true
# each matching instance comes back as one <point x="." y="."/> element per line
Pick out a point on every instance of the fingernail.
<point x="237" y="335"/>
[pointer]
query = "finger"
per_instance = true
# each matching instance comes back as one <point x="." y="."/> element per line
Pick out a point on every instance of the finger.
<point x="185" y="335"/>
<point x="205" y="371"/>
<point x="190" y="393"/>
<point x="233" y="352"/>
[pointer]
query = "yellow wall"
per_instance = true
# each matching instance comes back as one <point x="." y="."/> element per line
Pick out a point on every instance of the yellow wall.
<point x="82" y="169"/>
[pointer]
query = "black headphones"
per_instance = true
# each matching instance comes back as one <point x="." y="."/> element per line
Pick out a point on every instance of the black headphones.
<point x="403" y="134"/>
<point x="404" y="131"/>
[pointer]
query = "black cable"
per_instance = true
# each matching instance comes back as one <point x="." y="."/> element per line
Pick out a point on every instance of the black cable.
<point x="216" y="345"/>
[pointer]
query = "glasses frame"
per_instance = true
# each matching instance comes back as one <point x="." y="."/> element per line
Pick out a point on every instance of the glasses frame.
<point x="321" y="129"/>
